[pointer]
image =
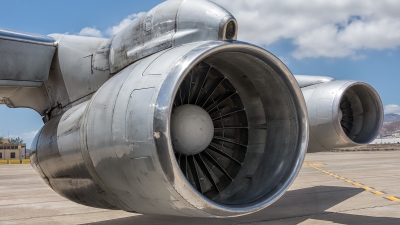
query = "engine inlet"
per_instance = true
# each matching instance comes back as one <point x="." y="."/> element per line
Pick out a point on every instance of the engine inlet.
<point x="213" y="167"/>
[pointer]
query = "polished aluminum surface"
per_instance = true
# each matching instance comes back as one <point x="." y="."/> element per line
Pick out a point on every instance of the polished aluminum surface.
<point x="108" y="103"/>
<point x="58" y="159"/>
<point x="25" y="61"/>
<point x="172" y="23"/>
<point x="328" y="128"/>
<point x="24" y="58"/>
<point x="78" y="70"/>
<point x="19" y="36"/>
<point x="127" y="160"/>
<point x="76" y="75"/>
<point x="307" y="80"/>
<point x="82" y="64"/>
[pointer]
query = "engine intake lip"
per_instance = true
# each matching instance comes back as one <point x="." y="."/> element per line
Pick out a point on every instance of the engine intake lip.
<point x="368" y="113"/>
<point x="294" y="118"/>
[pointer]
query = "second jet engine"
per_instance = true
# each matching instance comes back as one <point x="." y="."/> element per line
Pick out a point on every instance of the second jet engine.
<point x="342" y="113"/>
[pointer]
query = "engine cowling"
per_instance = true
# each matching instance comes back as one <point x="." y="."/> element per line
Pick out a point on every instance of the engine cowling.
<point x="342" y="114"/>
<point x="119" y="150"/>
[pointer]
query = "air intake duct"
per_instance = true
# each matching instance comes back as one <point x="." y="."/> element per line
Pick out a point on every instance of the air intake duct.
<point x="209" y="129"/>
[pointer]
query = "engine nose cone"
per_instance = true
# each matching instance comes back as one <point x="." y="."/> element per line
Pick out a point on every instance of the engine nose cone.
<point x="192" y="129"/>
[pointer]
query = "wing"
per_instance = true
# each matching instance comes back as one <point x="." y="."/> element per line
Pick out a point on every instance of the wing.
<point x="25" y="61"/>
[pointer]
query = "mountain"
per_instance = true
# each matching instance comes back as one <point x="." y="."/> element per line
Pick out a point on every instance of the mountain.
<point x="391" y="118"/>
<point x="389" y="128"/>
<point x="391" y="123"/>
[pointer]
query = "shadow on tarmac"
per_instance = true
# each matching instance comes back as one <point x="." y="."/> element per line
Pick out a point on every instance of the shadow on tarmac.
<point x="293" y="208"/>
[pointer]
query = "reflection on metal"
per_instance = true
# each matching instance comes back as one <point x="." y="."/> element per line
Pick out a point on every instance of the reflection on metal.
<point x="24" y="57"/>
<point x="58" y="159"/>
<point x="129" y="154"/>
<point x="24" y="65"/>
<point x="110" y="140"/>
<point x="306" y="80"/>
<point x="172" y="23"/>
<point x="18" y="36"/>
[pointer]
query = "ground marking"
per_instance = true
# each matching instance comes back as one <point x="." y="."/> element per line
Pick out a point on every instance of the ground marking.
<point x="367" y="188"/>
<point x="360" y="185"/>
<point x="391" y="198"/>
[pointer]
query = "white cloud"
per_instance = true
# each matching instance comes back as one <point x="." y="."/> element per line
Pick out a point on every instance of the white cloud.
<point x="111" y="31"/>
<point x="284" y="59"/>
<point x="318" y="28"/>
<point x="91" y="32"/>
<point x="392" y="109"/>
<point x="124" y="23"/>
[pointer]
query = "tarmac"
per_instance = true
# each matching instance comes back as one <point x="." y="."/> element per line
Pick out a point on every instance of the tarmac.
<point x="332" y="188"/>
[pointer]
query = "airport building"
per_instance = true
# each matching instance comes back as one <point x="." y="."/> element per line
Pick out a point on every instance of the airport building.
<point x="9" y="151"/>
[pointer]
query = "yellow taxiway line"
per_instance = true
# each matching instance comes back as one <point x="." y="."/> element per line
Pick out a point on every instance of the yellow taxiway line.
<point x="357" y="184"/>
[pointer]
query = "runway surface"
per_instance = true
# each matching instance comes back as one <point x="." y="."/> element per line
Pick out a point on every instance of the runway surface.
<point x="332" y="188"/>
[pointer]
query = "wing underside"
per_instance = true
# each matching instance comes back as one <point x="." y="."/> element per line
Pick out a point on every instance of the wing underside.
<point x="25" y="61"/>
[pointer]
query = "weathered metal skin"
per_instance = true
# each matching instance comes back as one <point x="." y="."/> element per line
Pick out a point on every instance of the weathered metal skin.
<point x="24" y="65"/>
<point x="117" y="146"/>
<point x="78" y="71"/>
<point x="80" y="65"/>
<point x="172" y="23"/>
<point x="58" y="159"/>
<point x="107" y="105"/>
<point x="52" y="81"/>
<point x="307" y="80"/>
<point x="327" y="126"/>
<point x="24" y="58"/>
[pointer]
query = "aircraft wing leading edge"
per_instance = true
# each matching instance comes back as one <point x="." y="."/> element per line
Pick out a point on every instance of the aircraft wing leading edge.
<point x="25" y="61"/>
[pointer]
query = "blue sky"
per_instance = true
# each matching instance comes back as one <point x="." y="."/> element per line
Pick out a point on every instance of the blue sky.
<point x="341" y="39"/>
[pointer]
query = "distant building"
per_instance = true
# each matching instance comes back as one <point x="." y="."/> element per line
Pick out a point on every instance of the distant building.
<point x="12" y="151"/>
<point x="396" y="134"/>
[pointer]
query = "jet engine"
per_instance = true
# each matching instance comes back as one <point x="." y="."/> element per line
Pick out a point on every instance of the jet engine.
<point x="174" y="116"/>
<point x="209" y="129"/>
<point x="342" y="114"/>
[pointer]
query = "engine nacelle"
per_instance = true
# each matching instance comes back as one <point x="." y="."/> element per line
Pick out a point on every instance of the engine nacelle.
<point x="342" y="114"/>
<point x="118" y="150"/>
